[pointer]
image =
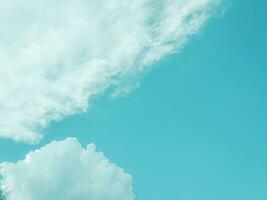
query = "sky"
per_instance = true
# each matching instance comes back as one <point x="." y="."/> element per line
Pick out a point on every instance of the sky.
<point x="194" y="127"/>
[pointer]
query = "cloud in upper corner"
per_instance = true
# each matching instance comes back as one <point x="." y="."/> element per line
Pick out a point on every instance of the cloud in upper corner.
<point x="56" y="55"/>
<point x="65" y="171"/>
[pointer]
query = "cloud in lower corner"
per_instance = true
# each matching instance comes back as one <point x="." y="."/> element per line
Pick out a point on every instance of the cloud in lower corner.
<point x="56" y="55"/>
<point x="63" y="170"/>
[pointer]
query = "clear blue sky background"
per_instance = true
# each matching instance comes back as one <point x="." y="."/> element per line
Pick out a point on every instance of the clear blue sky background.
<point x="196" y="128"/>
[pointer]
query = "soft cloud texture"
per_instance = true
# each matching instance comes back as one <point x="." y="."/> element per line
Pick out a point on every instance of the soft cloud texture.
<point x="56" y="55"/>
<point x="65" y="171"/>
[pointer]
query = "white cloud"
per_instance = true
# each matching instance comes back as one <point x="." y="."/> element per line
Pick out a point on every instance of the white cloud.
<point x="65" y="171"/>
<point x="56" y="55"/>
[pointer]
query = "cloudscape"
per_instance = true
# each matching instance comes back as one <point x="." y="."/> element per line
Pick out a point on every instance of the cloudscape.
<point x="65" y="171"/>
<point x="56" y="55"/>
<point x="133" y="100"/>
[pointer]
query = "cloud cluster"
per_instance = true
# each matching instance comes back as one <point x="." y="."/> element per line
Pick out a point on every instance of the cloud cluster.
<point x="56" y="55"/>
<point x="65" y="171"/>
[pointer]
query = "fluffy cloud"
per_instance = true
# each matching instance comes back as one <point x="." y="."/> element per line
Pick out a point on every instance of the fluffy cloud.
<point x="56" y="55"/>
<point x="65" y="171"/>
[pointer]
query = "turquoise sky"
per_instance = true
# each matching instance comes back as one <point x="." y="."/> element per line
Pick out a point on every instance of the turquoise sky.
<point x="196" y="127"/>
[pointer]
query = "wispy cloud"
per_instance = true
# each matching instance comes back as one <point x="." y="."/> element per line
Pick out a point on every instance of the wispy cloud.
<point x="56" y="55"/>
<point x="65" y="171"/>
